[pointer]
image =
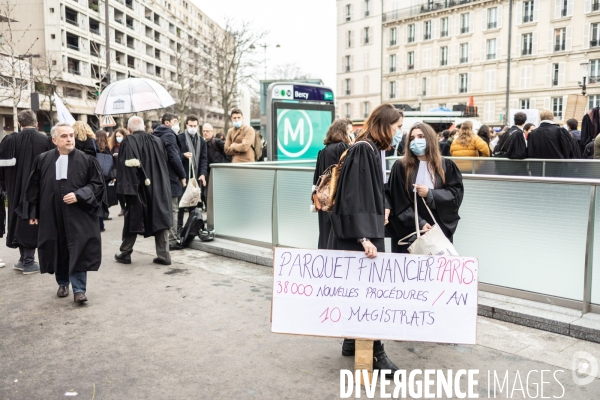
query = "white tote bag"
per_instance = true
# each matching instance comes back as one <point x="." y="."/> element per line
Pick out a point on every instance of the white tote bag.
<point x="192" y="195"/>
<point x="431" y="243"/>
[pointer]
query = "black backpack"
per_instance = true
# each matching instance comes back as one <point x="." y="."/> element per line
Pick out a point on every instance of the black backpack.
<point x="192" y="227"/>
<point x="215" y="155"/>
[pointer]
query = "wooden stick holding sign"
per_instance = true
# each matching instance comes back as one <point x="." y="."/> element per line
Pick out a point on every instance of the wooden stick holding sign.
<point x="363" y="359"/>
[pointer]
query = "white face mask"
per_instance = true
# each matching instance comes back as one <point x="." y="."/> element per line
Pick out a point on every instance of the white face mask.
<point x="175" y="128"/>
<point x="192" y="131"/>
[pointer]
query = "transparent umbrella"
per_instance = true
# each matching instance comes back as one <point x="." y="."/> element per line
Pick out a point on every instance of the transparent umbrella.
<point x="133" y="95"/>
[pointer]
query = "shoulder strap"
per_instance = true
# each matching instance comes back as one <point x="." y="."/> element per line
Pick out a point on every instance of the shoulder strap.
<point x="364" y="141"/>
<point x="417" y="230"/>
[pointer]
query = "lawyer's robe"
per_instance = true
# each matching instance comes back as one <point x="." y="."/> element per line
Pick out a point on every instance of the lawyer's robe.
<point x="68" y="233"/>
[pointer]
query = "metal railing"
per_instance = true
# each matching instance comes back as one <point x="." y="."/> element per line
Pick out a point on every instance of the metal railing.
<point x="596" y="6"/>
<point x="527" y="18"/>
<point x="526" y="51"/>
<point x="559" y="47"/>
<point x="547" y="226"/>
<point x="491" y="56"/>
<point x="424" y="9"/>
<point x="464" y="29"/>
<point x="464" y="60"/>
<point x="95" y="31"/>
<point x="71" y="21"/>
<point x="492" y="25"/>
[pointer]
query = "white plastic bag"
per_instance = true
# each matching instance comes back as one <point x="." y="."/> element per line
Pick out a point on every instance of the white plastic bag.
<point x="192" y="195"/>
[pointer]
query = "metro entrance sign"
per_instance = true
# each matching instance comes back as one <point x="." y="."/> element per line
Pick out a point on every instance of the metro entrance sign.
<point x="298" y="117"/>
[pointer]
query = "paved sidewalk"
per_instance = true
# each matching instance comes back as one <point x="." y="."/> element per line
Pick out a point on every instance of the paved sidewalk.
<point x="199" y="329"/>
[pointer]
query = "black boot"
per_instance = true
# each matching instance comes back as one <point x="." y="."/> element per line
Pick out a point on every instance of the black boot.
<point x="348" y="347"/>
<point x="381" y="361"/>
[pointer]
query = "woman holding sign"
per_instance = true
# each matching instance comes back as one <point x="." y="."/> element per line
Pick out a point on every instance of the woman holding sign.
<point x="360" y="211"/>
<point x="435" y="179"/>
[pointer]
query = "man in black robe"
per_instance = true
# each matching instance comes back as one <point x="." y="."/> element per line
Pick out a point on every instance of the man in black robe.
<point x="549" y="141"/>
<point x="513" y="145"/>
<point x="66" y="196"/>
<point x="17" y="152"/>
<point x="143" y="179"/>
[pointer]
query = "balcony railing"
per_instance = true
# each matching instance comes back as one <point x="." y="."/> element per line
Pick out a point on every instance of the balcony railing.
<point x="411" y="39"/>
<point x="594" y="43"/>
<point x="555" y="82"/>
<point x="427" y="36"/>
<point x="348" y="92"/>
<point x="594" y="79"/>
<point x="129" y="4"/>
<point x="564" y="12"/>
<point x="528" y="18"/>
<point x="464" y="60"/>
<point x="491" y="56"/>
<point x="444" y="33"/>
<point x="559" y="47"/>
<point x="347" y="68"/>
<point x="71" y="21"/>
<point x="411" y="66"/>
<point x="393" y="95"/>
<point x="596" y="6"/>
<point x="74" y="71"/>
<point x="130" y="45"/>
<point x="424" y="9"/>
<point x="393" y="42"/>
<point x="443" y="63"/>
<point x="130" y="26"/>
<point x="120" y="21"/>
<point x="464" y="29"/>
<point x="492" y="25"/>
<point x="463" y="90"/>
<point x="95" y="31"/>
<point x="526" y="52"/>
<point x="393" y="69"/>
<point x="72" y="47"/>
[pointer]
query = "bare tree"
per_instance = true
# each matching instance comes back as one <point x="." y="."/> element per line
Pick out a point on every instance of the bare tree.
<point x="47" y="73"/>
<point x="254" y="106"/>
<point x="12" y="61"/>
<point x="231" y="60"/>
<point x="288" y="71"/>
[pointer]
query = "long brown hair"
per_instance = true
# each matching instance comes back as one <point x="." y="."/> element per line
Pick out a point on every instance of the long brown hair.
<point x="432" y="152"/>
<point x="378" y="127"/>
<point x="101" y="140"/>
<point x="112" y="139"/>
<point x="337" y="132"/>
<point x="465" y="134"/>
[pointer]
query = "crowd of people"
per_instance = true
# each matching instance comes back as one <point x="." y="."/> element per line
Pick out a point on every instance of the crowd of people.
<point x="60" y="187"/>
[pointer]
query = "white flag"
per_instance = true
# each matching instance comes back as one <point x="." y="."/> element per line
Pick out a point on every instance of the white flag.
<point x="63" y="114"/>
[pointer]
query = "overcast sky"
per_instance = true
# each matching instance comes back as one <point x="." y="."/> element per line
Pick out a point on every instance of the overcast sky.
<point x="305" y="29"/>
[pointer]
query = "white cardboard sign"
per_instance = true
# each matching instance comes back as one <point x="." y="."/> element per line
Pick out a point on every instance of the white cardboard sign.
<point x="533" y="116"/>
<point x="394" y="296"/>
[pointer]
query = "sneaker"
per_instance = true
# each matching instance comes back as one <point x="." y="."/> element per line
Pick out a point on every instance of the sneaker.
<point x="32" y="269"/>
<point x="18" y="265"/>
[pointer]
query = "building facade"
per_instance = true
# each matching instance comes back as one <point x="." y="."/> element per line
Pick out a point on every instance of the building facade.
<point x="359" y="57"/>
<point x="148" y="39"/>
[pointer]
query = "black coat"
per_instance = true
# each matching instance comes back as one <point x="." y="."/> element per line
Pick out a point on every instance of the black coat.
<point x="148" y="208"/>
<point x="174" y="164"/>
<point x="88" y="146"/>
<point x="446" y="201"/>
<point x="590" y="125"/>
<point x="23" y="146"/>
<point x="550" y="141"/>
<point x="327" y="157"/>
<point x="45" y="197"/>
<point x="216" y="152"/>
<point x="201" y="167"/>
<point x="359" y="210"/>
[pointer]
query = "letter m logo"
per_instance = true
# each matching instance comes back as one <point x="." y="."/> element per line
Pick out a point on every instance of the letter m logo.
<point x="289" y="131"/>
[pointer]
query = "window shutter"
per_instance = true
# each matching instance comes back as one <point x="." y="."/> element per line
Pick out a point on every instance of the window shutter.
<point x="436" y="57"/>
<point x="387" y="64"/>
<point x="549" y="75"/>
<point x="443" y="85"/>
<point x="547" y="102"/>
<point x="419" y="31"/>
<point x="522" y="78"/>
<point x="536" y="10"/>
<point x="419" y="86"/>
<point x="427" y="86"/>
<point x="450" y="25"/>
<point x="471" y="22"/>
<point x="455" y="84"/>
<point x="483" y="50"/>
<point x="532" y="103"/>
<point x="416" y="61"/>
<point x="514" y="105"/>
<point x="570" y="8"/>
<point x="386" y="38"/>
<point x="529" y="76"/>
<point x="484" y="20"/>
<point x="405" y="39"/>
<point x="435" y="27"/>
<point x="534" y="45"/>
<point x="386" y="90"/>
<point x="426" y="58"/>
<point x="519" y="12"/>
<point x="470" y="83"/>
<point x="586" y="36"/>
<point x="499" y="16"/>
<point x="550" y="48"/>
<point x="450" y="55"/>
<point x="498" y="48"/>
<point x="486" y="84"/>
<point x="456" y="54"/>
<point x="518" y="46"/>
<point x="470" y="44"/>
<point x="562" y="69"/>
<point x="587" y="6"/>
<point x="493" y="81"/>
<point x="557" y="9"/>
<point x="404" y="56"/>
<point x="569" y="41"/>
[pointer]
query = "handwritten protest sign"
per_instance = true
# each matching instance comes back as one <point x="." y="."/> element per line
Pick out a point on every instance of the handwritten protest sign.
<point x="394" y="296"/>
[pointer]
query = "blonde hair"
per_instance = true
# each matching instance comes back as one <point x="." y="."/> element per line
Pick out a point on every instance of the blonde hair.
<point x="546" y="115"/>
<point x="465" y="134"/>
<point x="83" y="131"/>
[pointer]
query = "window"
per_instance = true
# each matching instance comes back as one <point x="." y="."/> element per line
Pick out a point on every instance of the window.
<point x="491" y="49"/>
<point x="157" y="54"/>
<point x="73" y="66"/>
<point x="424" y="87"/>
<point x="555" y="73"/>
<point x="557" y="108"/>
<point x="528" y="11"/>
<point x="95" y="49"/>
<point x="149" y="69"/>
<point x="411" y="33"/>
<point x="594" y="101"/>
<point x="348" y="12"/>
<point x="596" y="5"/>
<point x="366" y="109"/>
<point x="366" y="36"/>
<point x="392" y="90"/>
<point x="72" y="41"/>
<point x="348" y="108"/>
<point x="129" y="22"/>
<point x="527" y="44"/>
<point x="393" y="63"/>
<point x="563" y="11"/>
<point x="492" y="15"/>
<point x="118" y="37"/>
<point x="158" y="71"/>
<point x="52" y="36"/>
<point x="464" y="53"/>
<point x="367" y="8"/>
<point x="130" y="42"/>
<point x="595" y="39"/>
<point x="349" y="36"/>
<point x="71" y="16"/>
<point x="347" y="63"/>
<point x="560" y="39"/>
<point x="393" y="36"/>
<point x="129" y="3"/>
<point x="464" y="23"/>
<point x="427" y="33"/>
<point x="524" y="104"/>
<point x="130" y="62"/>
<point x="70" y="92"/>
<point x="156" y="19"/>
<point x="594" y="71"/>
<point x="52" y="10"/>
<point x="94" y="26"/>
<point x="156" y="36"/>
<point x="444" y="56"/>
<point x="348" y="84"/>
<point x="411" y="60"/>
<point x="92" y="5"/>
<point x="95" y="71"/>
<point x="444" y="27"/>
<point x="463" y="80"/>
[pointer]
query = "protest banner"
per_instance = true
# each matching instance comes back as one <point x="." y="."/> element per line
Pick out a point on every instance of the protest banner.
<point x="394" y="296"/>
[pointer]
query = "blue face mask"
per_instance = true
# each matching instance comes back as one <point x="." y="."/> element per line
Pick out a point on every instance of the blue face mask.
<point x="418" y="146"/>
<point x="238" y="124"/>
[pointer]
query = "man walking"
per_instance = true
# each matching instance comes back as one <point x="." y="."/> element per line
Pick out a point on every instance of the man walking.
<point x="17" y="153"/>
<point x="66" y="196"/>
<point x="193" y="147"/>
<point x="143" y="180"/>
<point x="240" y="139"/>
<point x="167" y="132"/>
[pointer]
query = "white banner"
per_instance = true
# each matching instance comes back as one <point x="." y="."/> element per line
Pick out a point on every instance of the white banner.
<point x="394" y="296"/>
<point x="533" y="116"/>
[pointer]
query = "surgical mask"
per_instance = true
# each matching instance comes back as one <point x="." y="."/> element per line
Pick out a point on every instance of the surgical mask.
<point x="238" y="124"/>
<point x="397" y="137"/>
<point x="175" y="128"/>
<point x="119" y="139"/>
<point x="192" y="131"/>
<point x="418" y="146"/>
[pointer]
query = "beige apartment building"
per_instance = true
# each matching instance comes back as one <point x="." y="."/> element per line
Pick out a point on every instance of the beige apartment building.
<point x="359" y="57"/>
<point x="147" y="38"/>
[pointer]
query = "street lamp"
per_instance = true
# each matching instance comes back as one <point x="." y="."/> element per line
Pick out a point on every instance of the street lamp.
<point x="584" y="72"/>
<point x="264" y="46"/>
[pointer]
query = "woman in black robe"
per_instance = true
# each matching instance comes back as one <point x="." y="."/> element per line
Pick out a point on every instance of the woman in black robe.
<point x="360" y="212"/>
<point x="439" y="183"/>
<point x="336" y="143"/>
